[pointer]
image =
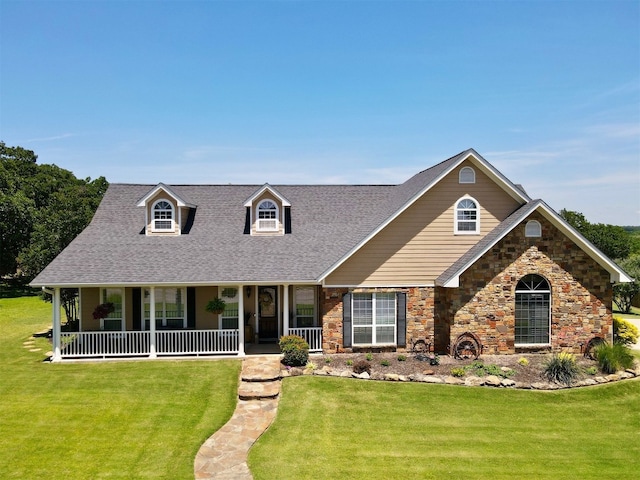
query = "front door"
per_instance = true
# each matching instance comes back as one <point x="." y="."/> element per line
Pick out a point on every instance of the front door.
<point x="268" y="314"/>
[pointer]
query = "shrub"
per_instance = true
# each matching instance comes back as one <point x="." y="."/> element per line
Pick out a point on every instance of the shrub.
<point x="310" y="366"/>
<point x="327" y="360"/>
<point x="624" y="332"/>
<point x="295" y="350"/>
<point x="349" y="363"/>
<point x="369" y="356"/>
<point x="523" y="361"/>
<point x="385" y="362"/>
<point x="402" y="358"/>
<point x="591" y="371"/>
<point x="562" y="368"/>
<point x="612" y="358"/>
<point x="362" y="366"/>
<point x="458" y="372"/>
<point x="480" y="369"/>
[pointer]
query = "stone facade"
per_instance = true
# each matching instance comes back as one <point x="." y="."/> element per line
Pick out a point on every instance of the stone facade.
<point x="581" y="296"/>
<point x="581" y="291"/>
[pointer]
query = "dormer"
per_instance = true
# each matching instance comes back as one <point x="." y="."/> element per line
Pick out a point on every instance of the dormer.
<point x="165" y="212"/>
<point x="268" y="213"/>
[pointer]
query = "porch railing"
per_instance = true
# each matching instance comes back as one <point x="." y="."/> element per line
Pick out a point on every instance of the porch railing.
<point x="313" y="336"/>
<point x="129" y="344"/>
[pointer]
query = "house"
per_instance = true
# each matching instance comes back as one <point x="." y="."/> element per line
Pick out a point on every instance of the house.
<point x="457" y="248"/>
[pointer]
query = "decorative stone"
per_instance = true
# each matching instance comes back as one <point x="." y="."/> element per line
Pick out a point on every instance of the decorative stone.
<point x="614" y="377"/>
<point x="492" y="381"/>
<point x="507" y="382"/>
<point x="364" y="376"/>
<point x="393" y="377"/>
<point x="428" y="372"/>
<point x="600" y="379"/>
<point x="432" y="379"/>
<point x="403" y="378"/>
<point x="451" y="380"/>
<point x="474" y="381"/>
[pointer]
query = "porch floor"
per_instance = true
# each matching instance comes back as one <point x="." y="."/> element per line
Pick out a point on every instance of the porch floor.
<point x="224" y="454"/>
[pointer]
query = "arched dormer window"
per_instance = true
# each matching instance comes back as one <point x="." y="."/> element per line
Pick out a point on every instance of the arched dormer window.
<point x="533" y="311"/>
<point x="533" y="229"/>
<point x="467" y="175"/>
<point x="467" y="216"/>
<point x="163" y="216"/>
<point x="267" y="216"/>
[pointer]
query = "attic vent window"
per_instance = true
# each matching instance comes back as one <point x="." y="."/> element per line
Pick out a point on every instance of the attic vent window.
<point x="267" y="216"/>
<point x="467" y="175"/>
<point x="162" y="216"/>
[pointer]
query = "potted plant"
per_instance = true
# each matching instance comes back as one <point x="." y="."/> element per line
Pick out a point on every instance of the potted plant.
<point x="103" y="310"/>
<point x="216" y="306"/>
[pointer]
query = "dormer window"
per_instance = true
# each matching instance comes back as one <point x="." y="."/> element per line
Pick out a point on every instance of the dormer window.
<point x="163" y="216"/>
<point x="267" y="216"/>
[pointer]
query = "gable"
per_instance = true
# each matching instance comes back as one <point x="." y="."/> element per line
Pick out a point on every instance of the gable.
<point x="419" y="244"/>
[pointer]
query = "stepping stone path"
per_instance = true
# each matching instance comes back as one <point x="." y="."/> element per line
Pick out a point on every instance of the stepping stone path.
<point x="224" y="455"/>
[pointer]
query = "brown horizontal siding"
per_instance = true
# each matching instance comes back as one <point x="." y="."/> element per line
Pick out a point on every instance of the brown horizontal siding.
<point x="420" y="244"/>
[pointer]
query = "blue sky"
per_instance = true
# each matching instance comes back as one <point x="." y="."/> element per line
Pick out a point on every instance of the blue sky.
<point x="331" y="92"/>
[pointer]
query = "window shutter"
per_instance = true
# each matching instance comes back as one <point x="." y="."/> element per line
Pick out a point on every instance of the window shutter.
<point x="247" y="222"/>
<point x="136" y="297"/>
<point x="287" y="220"/>
<point x="401" y="305"/>
<point x="346" y="320"/>
<point x="191" y="307"/>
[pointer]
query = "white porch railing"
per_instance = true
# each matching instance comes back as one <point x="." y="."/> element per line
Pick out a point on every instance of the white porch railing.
<point x="129" y="344"/>
<point x="313" y="336"/>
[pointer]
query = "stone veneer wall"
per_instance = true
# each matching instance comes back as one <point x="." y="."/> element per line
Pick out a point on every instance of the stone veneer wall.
<point x="420" y="318"/>
<point x="581" y="292"/>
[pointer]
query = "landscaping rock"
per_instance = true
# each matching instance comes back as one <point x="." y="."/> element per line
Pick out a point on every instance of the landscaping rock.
<point x="492" y="381"/>
<point x="506" y="382"/>
<point x="432" y="379"/>
<point x="451" y="380"/>
<point x="393" y="377"/>
<point x="614" y="377"/>
<point x="474" y="381"/>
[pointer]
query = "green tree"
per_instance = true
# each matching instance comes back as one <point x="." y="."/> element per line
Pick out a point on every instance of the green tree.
<point x="623" y="293"/>
<point x="611" y="240"/>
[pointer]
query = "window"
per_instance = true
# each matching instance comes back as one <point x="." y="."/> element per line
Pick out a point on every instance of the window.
<point x="162" y="216"/>
<point x="467" y="219"/>
<point x="467" y="175"/>
<point x="229" y="317"/>
<point x="533" y="311"/>
<point x="267" y="216"/>
<point x="170" y="308"/>
<point x="305" y="303"/>
<point x="533" y="229"/>
<point x="113" y="321"/>
<point x="374" y="318"/>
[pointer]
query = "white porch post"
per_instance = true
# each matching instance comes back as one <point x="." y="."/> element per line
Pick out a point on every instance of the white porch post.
<point x="285" y="312"/>
<point x="152" y="322"/>
<point x="57" y="354"/>
<point x="241" y="352"/>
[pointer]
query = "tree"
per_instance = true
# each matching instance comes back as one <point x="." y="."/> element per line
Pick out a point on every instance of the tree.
<point x="623" y="293"/>
<point x="611" y="240"/>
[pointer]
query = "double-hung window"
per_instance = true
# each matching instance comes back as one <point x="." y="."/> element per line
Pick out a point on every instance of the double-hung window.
<point x="305" y="302"/>
<point x="170" y="311"/>
<point x="374" y="318"/>
<point x="115" y="320"/>
<point x="267" y="216"/>
<point x="229" y="316"/>
<point x="467" y="219"/>
<point x="162" y="216"/>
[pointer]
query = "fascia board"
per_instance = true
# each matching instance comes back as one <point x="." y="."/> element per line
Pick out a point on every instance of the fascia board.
<point x="213" y="283"/>
<point x="161" y="186"/>
<point x="273" y="191"/>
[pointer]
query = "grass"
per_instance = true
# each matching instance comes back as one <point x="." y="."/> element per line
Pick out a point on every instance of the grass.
<point x="109" y="420"/>
<point x="330" y="428"/>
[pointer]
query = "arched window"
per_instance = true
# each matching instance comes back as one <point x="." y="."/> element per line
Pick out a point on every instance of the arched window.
<point x="267" y="216"/>
<point x="162" y="216"/>
<point x="467" y="218"/>
<point x="533" y="229"/>
<point x="467" y="175"/>
<point x="533" y="311"/>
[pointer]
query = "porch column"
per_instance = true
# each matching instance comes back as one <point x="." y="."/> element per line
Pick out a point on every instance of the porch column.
<point x="152" y="322"/>
<point x="285" y="312"/>
<point x="57" y="354"/>
<point x="241" y="321"/>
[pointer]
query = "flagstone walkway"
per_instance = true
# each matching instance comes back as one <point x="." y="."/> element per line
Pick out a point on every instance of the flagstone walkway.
<point x="224" y="455"/>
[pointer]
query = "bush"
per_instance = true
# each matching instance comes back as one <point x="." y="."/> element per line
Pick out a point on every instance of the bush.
<point x="402" y="358"/>
<point x="523" y="361"/>
<point x="369" y="356"/>
<point x="591" y="371"/>
<point x="385" y="362"/>
<point x="612" y="358"/>
<point x="295" y="350"/>
<point x="362" y="366"/>
<point x="562" y="368"/>
<point x="458" y="372"/>
<point x="624" y="332"/>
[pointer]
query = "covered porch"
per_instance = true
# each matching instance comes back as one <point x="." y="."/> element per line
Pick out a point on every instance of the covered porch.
<point x="160" y="321"/>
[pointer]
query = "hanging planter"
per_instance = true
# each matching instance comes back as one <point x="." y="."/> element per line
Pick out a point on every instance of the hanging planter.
<point x="215" y="306"/>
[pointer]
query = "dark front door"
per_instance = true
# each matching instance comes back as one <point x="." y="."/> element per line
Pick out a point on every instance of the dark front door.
<point x="268" y="314"/>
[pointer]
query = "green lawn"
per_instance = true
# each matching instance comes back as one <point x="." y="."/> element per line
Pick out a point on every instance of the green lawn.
<point x="126" y="420"/>
<point x="332" y="428"/>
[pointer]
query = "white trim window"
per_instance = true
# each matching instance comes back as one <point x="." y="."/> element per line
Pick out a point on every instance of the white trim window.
<point x="163" y="216"/>
<point x="305" y="307"/>
<point x="467" y="216"/>
<point x="170" y="312"/>
<point x="533" y="311"/>
<point x="533" y="229"/>
<point x="374" y="318"/>
<point x="267" y="216"/>
<point x="230" y="315"/>
<point x="115" y="320"/>
<point x="467" y="175"/>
